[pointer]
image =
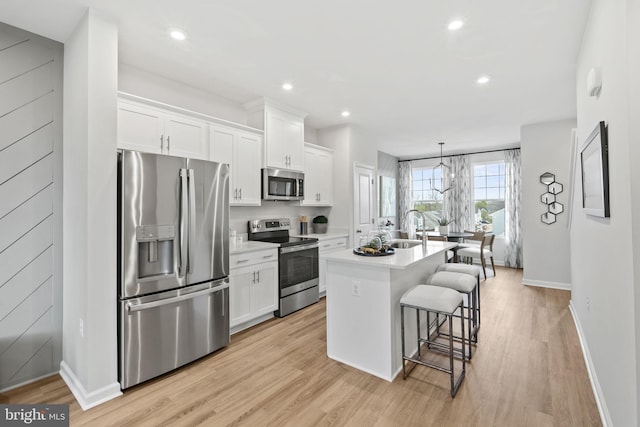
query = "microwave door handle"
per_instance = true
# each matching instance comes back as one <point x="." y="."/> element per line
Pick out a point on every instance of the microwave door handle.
<point x="192" y="217"/>
<point x="183" y="219"/>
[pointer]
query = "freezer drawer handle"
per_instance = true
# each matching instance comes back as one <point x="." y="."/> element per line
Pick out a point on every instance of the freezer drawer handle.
<point x="132" y="308"/>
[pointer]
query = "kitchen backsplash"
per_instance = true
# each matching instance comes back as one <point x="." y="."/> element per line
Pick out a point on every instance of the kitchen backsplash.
<point x="241" y="214"/>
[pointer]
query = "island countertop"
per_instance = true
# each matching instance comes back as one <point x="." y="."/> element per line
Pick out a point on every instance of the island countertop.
<point x="402" y="258"/>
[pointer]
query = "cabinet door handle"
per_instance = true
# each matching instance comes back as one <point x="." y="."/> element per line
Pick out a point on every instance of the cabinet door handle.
<point x="161" y="143"/>
<point x="240" y="261"/>
<point x="240" y="194"/>
<point x="267" y="256"/>
<point x="253" y="277"/>
<point x="168" y="143"/>
<point x="258" y="276"/>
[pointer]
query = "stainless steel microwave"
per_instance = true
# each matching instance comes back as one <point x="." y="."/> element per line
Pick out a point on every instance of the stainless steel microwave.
<point x="280" y="184"/>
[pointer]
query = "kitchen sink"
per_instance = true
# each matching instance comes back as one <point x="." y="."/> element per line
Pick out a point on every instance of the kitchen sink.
<point x="405" y="244"/>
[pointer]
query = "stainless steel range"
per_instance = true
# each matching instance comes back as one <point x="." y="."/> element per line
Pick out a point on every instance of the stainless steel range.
<point x="297" y="263"/>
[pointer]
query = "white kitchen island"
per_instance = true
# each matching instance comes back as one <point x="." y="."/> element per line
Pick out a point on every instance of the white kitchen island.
<point x="363" y="305"/>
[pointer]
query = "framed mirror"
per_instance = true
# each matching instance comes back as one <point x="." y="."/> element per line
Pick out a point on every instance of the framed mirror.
<point x="387" y="196"/>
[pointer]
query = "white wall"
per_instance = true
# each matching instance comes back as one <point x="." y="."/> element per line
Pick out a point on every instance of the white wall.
<point x="602" y="264"/>
<point x="338" y="138"/>
<point x="152" y="86"/>
<point x="89" y="363"/>
<point x="545" y="147"/>
<point x="633" y="57"/>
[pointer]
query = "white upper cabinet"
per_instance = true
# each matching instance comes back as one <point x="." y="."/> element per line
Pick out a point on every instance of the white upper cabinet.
<point x="318" y="176"/>
<point x="283" y="133"/>
<point x="155" y="130"/>
<point x="242" y="150"/>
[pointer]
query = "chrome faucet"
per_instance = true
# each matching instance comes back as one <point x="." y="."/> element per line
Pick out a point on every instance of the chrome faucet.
<point x="424" y="225"/>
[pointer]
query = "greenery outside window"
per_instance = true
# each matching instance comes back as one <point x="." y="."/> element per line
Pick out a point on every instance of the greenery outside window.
<point x="489" y="191"/>
<point x="424" y="198"/>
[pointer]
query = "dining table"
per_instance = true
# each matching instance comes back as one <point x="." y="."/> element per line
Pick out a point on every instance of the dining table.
<point x="452" y="236"/>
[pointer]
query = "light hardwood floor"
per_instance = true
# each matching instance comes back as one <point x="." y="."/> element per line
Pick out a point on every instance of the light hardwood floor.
<point x="528" y="370"/>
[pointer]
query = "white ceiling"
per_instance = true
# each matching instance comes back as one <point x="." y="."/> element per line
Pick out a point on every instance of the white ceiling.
<point x="408" y="81"/>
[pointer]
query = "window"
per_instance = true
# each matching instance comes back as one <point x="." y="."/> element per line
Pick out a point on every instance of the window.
<point x="488" y="189"/>
<point x="424" y="198"/>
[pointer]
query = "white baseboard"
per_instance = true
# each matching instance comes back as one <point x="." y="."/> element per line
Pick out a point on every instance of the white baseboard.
<point x="545" y="284"/>
<point x="593" y="378"/>
<point x="88" y="400"/>
<point x="246" y="325"/>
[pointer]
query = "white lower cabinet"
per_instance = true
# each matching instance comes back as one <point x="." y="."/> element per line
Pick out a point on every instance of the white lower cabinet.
<point x="253" y="291"/>
<point x="327" y="246"/>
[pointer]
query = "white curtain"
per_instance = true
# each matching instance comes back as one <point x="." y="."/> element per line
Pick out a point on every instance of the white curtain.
<point x="457" y="201"/>
<point x="513" y="230"/>
<point x="405" y="196"/>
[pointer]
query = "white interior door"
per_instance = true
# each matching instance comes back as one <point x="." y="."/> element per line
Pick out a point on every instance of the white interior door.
<point x="363" y="190"/>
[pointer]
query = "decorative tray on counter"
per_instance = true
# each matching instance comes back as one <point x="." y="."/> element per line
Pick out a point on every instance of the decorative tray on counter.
<point x="360" y="251"/>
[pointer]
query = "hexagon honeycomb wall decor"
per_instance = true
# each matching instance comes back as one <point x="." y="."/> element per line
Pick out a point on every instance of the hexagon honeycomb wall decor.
<point x="548" y="198"/>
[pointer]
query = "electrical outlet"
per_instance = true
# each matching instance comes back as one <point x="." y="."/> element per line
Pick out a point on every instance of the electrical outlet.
<point x="81" y="328"/>
<point x="588" y="304"/>
<point x="355" y="288"/>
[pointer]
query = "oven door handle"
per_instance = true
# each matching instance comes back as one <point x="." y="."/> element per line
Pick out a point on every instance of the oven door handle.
<point x="298" y="248"/>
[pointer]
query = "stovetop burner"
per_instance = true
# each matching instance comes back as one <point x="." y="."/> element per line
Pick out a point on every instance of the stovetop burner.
<point x="275" y="231"/>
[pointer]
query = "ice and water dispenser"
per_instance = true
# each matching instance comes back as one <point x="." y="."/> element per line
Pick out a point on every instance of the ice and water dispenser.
<point x="155" y="250"/>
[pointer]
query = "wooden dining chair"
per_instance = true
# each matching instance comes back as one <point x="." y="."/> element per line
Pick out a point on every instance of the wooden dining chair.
<point x="450" y="254"/>
<point x="484" y="251"/>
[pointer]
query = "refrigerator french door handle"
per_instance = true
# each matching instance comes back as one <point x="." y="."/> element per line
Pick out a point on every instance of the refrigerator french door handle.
<point x="184" y="207"/>
<point x="132" y="308"/>
<point x="192" y="216"/>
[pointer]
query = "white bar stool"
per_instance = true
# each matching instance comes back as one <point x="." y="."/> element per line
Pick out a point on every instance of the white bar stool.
<point x="473" y="271"/>
<point x="440" y="301"/>
<point x="464" y="284"/>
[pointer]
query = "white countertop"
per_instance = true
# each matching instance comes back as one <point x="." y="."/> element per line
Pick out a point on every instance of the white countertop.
<point x="403" y="258"/>
<point x="323" y="236"/>
<point x="250" y="246"/>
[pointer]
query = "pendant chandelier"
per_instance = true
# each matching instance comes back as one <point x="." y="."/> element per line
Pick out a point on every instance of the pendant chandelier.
<point x="444" y="171"/>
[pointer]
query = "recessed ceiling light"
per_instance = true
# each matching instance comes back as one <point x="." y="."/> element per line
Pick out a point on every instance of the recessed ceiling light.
<point x="483" y="80"/>
<point x="346" y="113"/>
<point x="178" y="34"/>
<point x="287" y="86"/>
<point x="455" y="25"/>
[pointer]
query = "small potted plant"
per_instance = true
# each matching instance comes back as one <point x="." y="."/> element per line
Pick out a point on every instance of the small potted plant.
<point x="444" y="226"/>
<point x="320" y="224"/>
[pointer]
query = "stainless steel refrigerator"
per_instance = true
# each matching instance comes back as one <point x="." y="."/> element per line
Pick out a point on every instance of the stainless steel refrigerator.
<point x="173" y="240"/>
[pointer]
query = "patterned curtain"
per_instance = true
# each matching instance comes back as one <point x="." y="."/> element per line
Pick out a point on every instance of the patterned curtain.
<point x="513" y="230"/>
<point x="405" y="196"/>
<point x="457" y="201"/>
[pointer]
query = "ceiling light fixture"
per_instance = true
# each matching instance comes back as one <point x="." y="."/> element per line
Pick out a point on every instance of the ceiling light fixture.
<point x="346" y="114"/>
<point x="177" y="34"/>
<point x="287" y="86"/>
<point x="483" y="80"/>
<point x="455" y="25"/>
<point x="445" y="170"/>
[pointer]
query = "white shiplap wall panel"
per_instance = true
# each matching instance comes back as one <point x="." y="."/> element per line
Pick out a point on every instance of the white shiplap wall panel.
<point x="17" y="288"/>
<point x="27" y="151"/>
<point x="24" y="121"/>
<point x="19" y="59"/>
<point x="30" y="139"/>
<point x="33" y="368"/>
<point x="17" y="256"/>
<point x="27" y="345"/>
<point x="18" y="321"/>
<point x="23" y="89"/>
<point x="11" y="38"/>
<point x="19" y="221"/>
<point x="24" y="185"/>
